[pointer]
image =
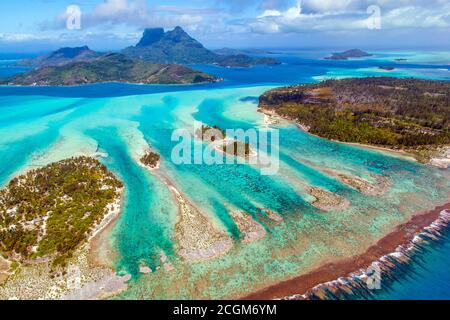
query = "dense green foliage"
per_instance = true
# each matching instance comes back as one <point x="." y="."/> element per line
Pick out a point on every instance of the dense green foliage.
<point x="353" y="53"/>
<point x="404" y="113"/>
<point x="150" y="159"/>
<point x="50" y="211"/>
<point x="61" y="56"/>
<point x="111" y="68"/>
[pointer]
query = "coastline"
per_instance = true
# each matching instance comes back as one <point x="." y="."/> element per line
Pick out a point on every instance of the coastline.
<point x="440" y="159"/>
<point x="110" y="82"/>
<point x="89" y="275"/>
<point x="302" y="286"/>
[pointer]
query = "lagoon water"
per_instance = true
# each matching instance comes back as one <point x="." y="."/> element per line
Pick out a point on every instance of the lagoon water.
<point x="116" y="122"/>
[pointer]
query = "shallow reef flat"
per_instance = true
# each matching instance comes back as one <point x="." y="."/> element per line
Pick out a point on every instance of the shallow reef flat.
<point x="327" y="201"/>
<point x="243" y="231"/>
<point x="348" y="277"/>
<point x="197" y="238"/>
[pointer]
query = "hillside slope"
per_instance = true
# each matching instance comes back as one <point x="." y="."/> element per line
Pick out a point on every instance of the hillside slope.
<point x="61" y="56"/>
<point x="111" y="68"/>
<point x="176" y="46"/>
<point x="407" y="114"/>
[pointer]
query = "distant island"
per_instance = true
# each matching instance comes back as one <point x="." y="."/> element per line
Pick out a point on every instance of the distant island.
<point x="158" y="58"/>
<point x="407" y="114"/>
<point x="176" y="46"/>
<point x="229" y="51"/>
<point x="387" y="68"/>
<point x="353" y="53"/>
<point x="113" y="67"/>
<point x="61" y="56"/>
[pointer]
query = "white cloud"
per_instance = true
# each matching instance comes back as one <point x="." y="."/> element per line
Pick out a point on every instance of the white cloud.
<point x="271" y="17"/>
<point x="270" y="13"/>
<point x="328" y="5"/>
<point x="21" y="37"/>
<point x="335" y="15"/>
<point x="131" y="13"/>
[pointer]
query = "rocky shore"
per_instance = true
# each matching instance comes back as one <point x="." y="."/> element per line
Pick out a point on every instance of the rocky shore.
<point x="197" y="238"/>
<point x="442" y="159"/>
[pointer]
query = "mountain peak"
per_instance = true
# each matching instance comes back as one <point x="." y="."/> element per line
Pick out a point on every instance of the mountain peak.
<point x="178" y="29"/>
<point x="150" y="36"/>
<point x="70" y="52"/>
<point x="356" y="51"/>
<point x="177" y="46"/>
<point x="157" y="37"/>
<point x="179" y="35"/>
<point x="352" y="53"/>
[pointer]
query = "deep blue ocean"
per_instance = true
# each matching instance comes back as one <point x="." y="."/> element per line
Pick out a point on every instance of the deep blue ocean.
<point x="427" y="276"/>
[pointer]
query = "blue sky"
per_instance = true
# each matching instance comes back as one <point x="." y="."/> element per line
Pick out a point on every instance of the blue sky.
<point x="39" y="25"/>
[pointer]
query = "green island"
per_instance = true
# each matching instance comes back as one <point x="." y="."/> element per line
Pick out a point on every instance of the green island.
<point x="404" y="114"/>
<point x="113" y="67"/>
<point x="207" y="133"/>
<point x="232" y="147"/>
<point x="352" y="53"/>
<point x="50" y="212"/>
<point x="150" y="159"/>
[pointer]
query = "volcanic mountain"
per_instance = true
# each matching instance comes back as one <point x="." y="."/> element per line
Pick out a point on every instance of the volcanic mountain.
<point x="176" y="46"/>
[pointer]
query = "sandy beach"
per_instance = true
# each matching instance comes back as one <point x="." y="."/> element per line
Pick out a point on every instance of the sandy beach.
<point x="440" y="159"/>
<point x="402" y="235"/>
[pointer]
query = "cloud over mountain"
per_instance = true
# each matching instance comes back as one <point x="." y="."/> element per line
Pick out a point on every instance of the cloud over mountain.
<point x="236" y="22"/>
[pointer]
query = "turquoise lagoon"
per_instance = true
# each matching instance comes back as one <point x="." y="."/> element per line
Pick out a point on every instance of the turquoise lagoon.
<point x="117" y="122"/>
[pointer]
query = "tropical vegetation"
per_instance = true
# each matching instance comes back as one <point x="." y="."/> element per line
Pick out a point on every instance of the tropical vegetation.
<point x="49" y="212"/>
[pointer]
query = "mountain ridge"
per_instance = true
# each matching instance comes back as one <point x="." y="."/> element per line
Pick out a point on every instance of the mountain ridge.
<point x="177" y="46"/>
<point x="113" y="67"/>
<point x="62" y="56"/>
